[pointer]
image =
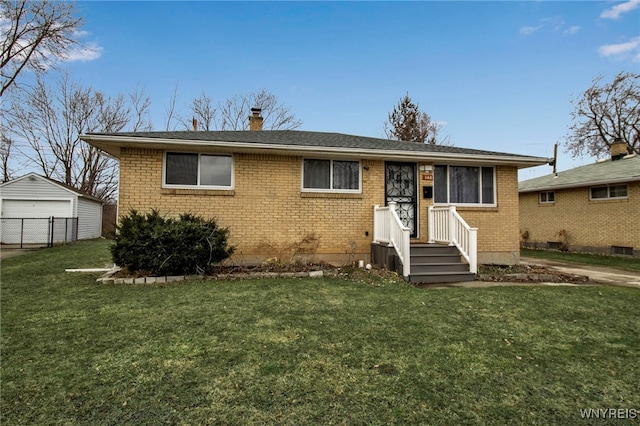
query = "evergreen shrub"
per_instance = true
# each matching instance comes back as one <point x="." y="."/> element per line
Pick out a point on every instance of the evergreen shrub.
<point x="158" y="245"/>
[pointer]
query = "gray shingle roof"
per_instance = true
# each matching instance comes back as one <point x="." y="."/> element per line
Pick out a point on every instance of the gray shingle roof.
<point x="55" y="182"/>
<point x="307" y="139"/>
<point x="600" y="173"/>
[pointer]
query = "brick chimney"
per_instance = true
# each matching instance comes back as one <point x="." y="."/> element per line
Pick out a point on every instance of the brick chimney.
<point x="618" y="149"/>
<point x="255" y="119"/>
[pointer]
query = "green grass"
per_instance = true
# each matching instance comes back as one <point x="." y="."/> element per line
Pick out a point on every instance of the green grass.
<point x="630" y="263"/>
<point x="306" y="351"/>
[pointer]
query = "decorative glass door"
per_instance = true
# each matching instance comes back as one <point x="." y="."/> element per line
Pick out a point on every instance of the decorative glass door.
<point x="401" y="187"/>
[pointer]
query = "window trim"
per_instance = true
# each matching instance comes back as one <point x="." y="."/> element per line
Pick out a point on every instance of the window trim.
<point x="547" y="194"/>
<point x="480" y="204"/>
<point x="331" y="189"/>
<point x="608" y="197"/>
<point x="197" y="186"/>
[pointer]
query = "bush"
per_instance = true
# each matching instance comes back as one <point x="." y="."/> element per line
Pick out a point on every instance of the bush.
<point x="165" y="246"/>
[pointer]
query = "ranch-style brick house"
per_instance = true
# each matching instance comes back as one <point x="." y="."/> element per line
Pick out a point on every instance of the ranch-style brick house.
<point x="275" y="188"/>
<point x="593" y="208"/>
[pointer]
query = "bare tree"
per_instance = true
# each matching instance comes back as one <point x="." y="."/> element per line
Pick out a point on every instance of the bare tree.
<point x="141" y="103"/>
<point x="35" y="35"/>
<point x="276" y="115"/>
<point x="407" y="123"/>
<point x="49" y="121"/>
<point x="5" y="153"/>
<point x="170" y="112"/>
<point x="605" y="112"/>
<point x="234" y="112"/>
<point x="203" y="112"/>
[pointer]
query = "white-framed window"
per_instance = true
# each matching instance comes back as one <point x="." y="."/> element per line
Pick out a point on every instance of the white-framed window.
<point x="320" y="175"/>
<point x="464" y="185"/>
<point x="547" y="197"/>
<point x="189" y="170"/>
<point x="608" y="191"/>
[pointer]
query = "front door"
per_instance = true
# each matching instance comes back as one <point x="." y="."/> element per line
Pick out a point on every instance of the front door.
<point x="401" y="187"/>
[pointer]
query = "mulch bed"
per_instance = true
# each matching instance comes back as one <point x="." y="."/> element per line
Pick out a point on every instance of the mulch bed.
<point x="378" y="276"/>
<point x="527" y="273"/>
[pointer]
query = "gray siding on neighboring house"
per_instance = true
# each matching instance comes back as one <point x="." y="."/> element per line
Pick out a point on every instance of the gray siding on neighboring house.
<point x="89" y="219"/>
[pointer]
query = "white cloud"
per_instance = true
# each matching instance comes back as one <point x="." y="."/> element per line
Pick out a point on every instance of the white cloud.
<point x="554" y="24"/>
<point x="528" y="30"/>
<point x="571" y="30"/>
<point x="617" y="10"/>
<point x="631" y="47"/>
<point x="86" y="52"/>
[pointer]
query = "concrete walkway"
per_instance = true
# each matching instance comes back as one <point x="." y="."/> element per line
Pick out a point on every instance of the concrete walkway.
<point x="597" y="274"/>
<point x="7" y="253"/>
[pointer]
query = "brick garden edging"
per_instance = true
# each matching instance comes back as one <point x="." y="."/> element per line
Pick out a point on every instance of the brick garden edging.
<point x="109" y="279"/>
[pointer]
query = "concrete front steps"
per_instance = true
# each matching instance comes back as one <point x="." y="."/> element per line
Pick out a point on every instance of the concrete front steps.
<point x="437" y="263"/>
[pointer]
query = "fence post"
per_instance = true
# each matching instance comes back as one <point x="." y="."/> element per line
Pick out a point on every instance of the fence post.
<point x="21" y="231"/>
<point x="51" y="225"/>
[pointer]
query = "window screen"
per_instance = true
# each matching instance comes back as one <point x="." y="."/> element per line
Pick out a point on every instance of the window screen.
<point x="182" y="169"/>
<point x="317" y="174"/>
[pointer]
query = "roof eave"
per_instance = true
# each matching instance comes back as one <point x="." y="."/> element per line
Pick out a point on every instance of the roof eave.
<point x="112" y="146"/>
<point x="581" y="184"/>
<point x="49" y="181"/>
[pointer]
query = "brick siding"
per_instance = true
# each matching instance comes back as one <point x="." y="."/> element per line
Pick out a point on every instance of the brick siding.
<point x="591" y="225"/>
<point x="267" y="206"/>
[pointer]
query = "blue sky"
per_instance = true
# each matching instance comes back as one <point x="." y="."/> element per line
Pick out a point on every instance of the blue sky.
<point x="499" y="75"/>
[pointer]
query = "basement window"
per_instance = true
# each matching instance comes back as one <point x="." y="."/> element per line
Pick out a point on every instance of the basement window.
<point x="331" y="176"/>
<point x="553" y="245"/>
<point x="547" y="197"/>
<point x="187" y="170"/>
<point x="625" y="251"/>
<point x="607" y="192"/>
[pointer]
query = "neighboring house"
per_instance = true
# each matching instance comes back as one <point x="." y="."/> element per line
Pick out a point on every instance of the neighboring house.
<point x="593" y="208"/>
<point x="276" y="189"/>
<point x="38" y="210"/>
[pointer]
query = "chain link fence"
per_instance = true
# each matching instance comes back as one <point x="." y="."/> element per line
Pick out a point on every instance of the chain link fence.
<point x="31" y="232"/>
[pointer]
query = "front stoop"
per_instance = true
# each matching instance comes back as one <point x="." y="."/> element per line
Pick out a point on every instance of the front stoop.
<point x="437" y="263"/>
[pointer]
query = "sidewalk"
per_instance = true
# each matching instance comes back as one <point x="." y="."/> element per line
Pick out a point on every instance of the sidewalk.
<point x="11" y="252"/>
<point x="596" y="274"/>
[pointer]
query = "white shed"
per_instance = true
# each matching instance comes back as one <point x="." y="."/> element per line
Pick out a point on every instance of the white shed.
<point x="35" y="198"/>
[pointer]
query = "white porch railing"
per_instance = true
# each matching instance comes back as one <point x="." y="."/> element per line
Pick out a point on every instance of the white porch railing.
<point x="447" y="226"/>
<point x="388" y="229"/>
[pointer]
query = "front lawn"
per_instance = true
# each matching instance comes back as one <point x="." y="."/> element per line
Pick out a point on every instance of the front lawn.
<point x="306" y="351"/>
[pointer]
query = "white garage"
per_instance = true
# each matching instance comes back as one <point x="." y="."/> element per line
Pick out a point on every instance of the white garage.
<point x="38" y="210"/>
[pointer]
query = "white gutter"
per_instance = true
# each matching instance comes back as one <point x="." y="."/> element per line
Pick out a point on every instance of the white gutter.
<point x="98" y="140"/>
